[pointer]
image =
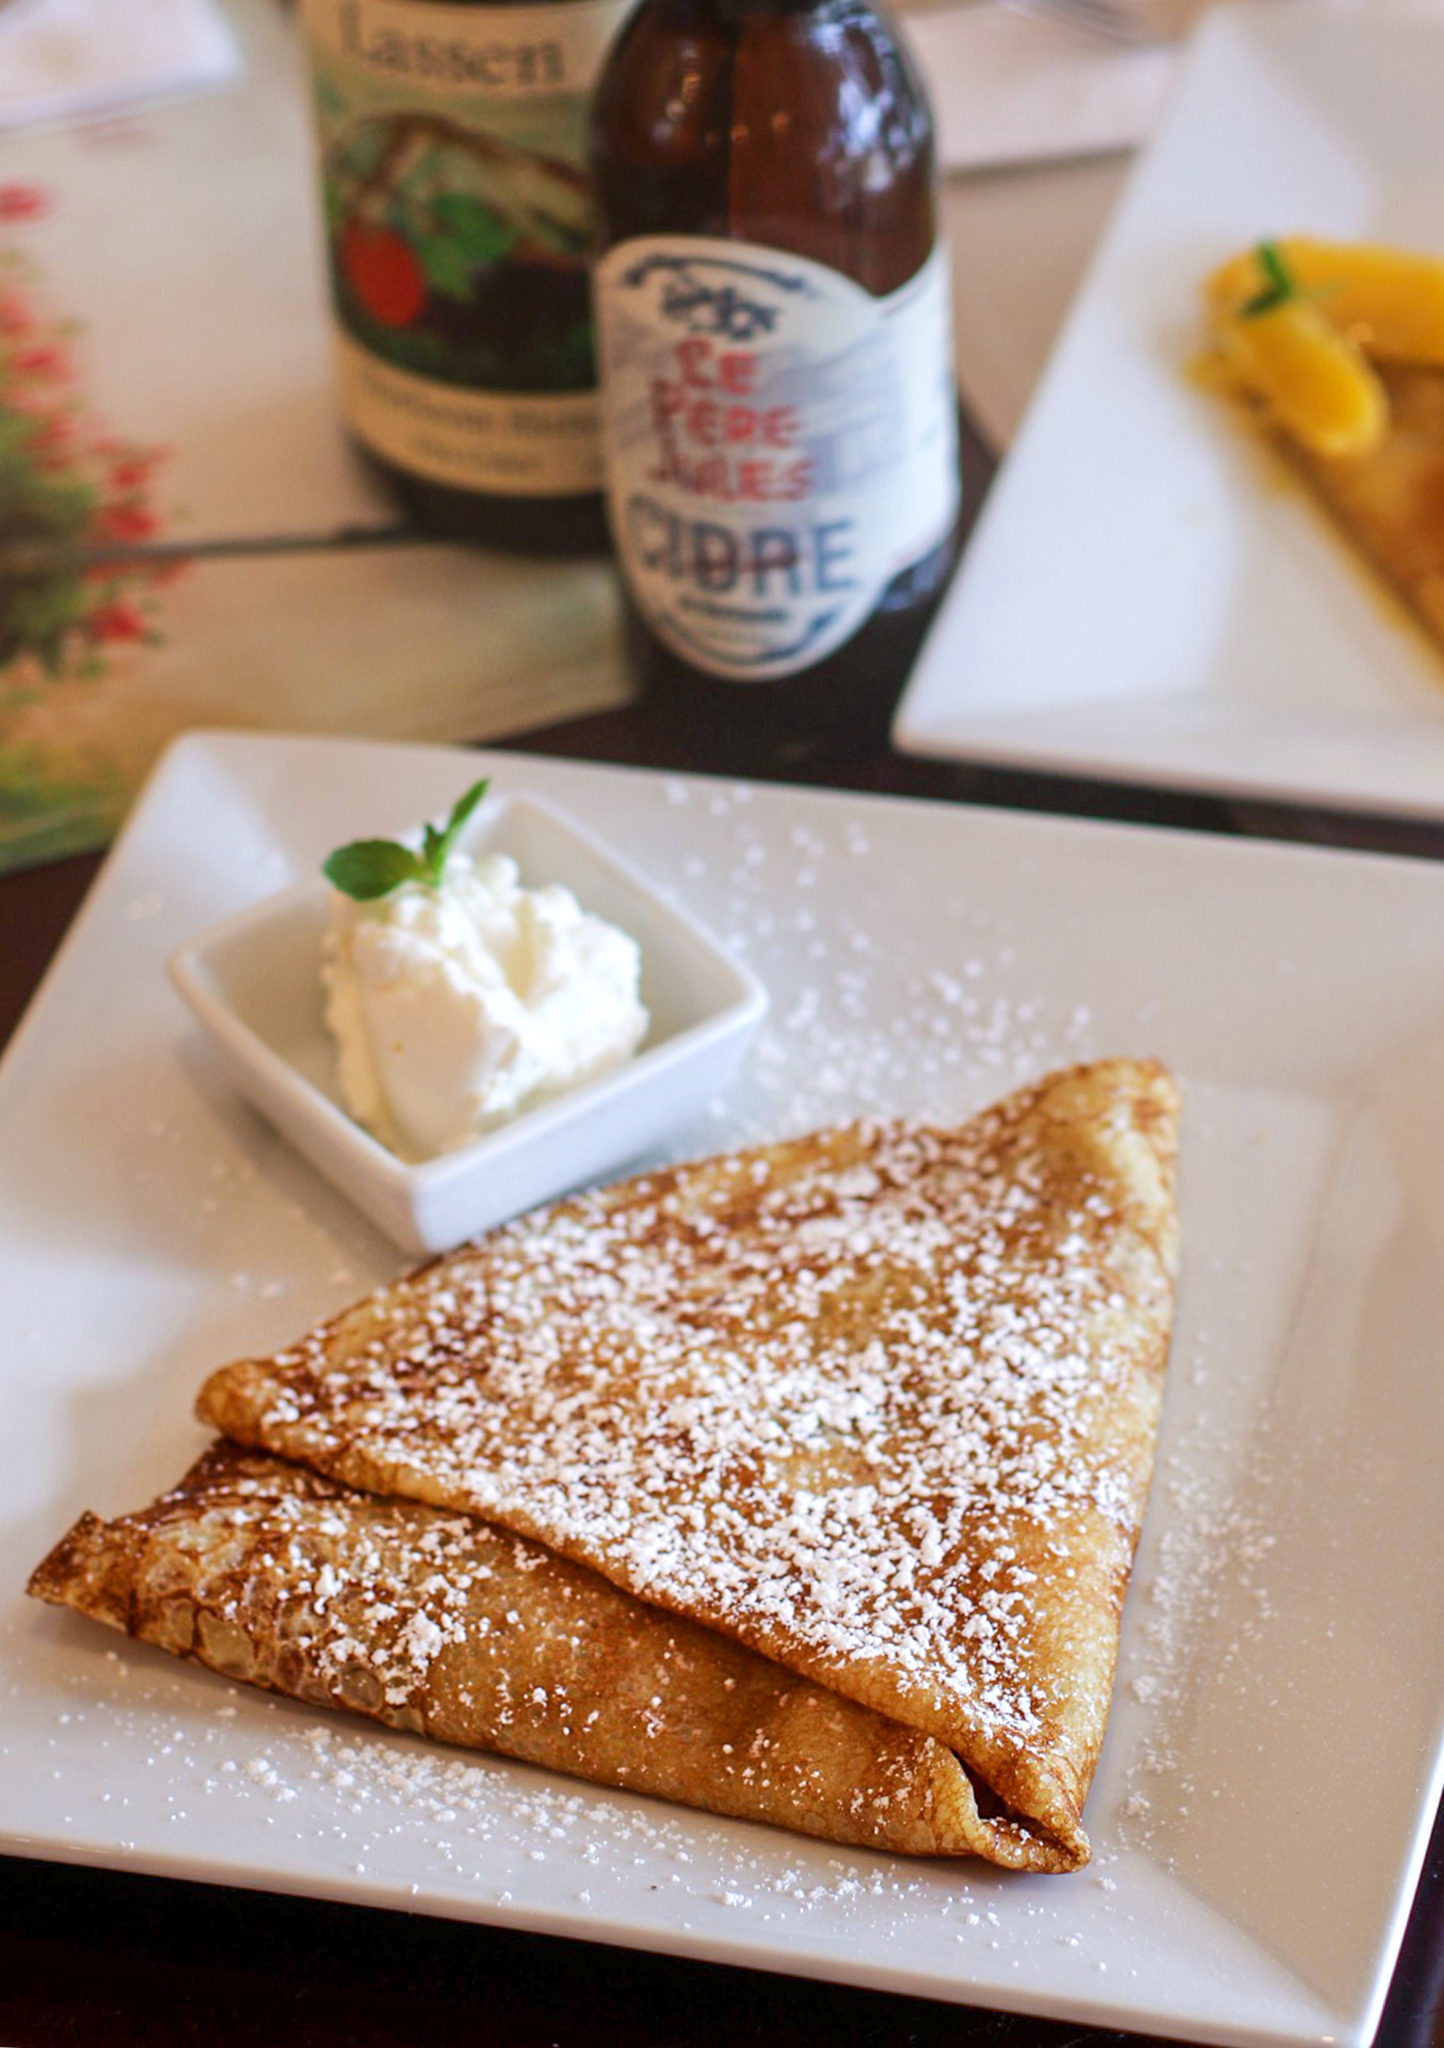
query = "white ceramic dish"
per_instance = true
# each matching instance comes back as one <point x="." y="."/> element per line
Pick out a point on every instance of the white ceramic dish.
<point x="1146" y="598"/>
<point x="254" y="982"/>
<point x="1254" y="1857"/>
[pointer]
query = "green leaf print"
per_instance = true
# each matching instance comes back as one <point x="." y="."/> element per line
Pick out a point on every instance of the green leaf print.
<point x="473" y="227"/>
<point x="449" y="270"/>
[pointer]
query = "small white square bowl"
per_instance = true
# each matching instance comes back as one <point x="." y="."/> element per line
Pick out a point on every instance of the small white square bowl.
<point x="254" y="982"/>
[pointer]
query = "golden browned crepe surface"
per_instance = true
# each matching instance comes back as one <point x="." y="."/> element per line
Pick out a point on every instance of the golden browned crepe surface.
<point x="1389" y="504"/>
<point x="879" y="1404"/>
<point x="438" y="1624"/>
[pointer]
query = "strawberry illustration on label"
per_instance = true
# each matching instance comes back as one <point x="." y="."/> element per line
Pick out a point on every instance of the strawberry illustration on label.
<point x="384" y="272"/>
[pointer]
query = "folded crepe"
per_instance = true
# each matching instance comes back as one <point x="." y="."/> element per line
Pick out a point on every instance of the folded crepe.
<point x="1388" y="502"/>
<point x="440" y="1625"/>
<point x="878" y="1404"/>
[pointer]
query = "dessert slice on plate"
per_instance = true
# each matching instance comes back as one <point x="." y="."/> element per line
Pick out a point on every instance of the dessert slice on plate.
<point x="1338" y="351"/>
<point x="878" y="1404"/>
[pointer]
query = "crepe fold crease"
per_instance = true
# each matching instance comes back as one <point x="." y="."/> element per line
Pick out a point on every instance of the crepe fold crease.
<point x="443" y="1626"/>
<point x="833" y="1452"/>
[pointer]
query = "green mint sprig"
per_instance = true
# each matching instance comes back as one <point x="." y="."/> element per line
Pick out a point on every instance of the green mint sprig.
<point x="1279" y="286"/>
<point x="369" y="868"/>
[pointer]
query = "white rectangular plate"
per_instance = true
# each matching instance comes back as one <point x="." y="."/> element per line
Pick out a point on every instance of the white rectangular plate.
<point x="1281" y="1691"/>
<point x="1146" y="597"/>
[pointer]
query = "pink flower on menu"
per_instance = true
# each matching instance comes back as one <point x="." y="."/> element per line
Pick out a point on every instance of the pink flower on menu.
<point x="117" y="621"/>
<point x="125" y="522"/>
<point x="16" y="318"/>
<point x="51" y="441"/>
<point x="44" y="359"/>
<point x="22" y="202"/>
<point x="79" y="489"/>
<point x="131" y="472"/>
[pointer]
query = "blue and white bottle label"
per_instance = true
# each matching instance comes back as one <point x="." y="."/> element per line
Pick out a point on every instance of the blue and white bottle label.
<point x="779" y="444"/>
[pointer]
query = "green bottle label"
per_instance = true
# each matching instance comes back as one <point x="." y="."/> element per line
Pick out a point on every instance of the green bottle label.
<point x="458" y="223"/>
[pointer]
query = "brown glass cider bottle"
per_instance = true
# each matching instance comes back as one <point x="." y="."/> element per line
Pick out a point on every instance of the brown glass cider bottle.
<point x="779" y="420"/>
<point x="452" y="143"/>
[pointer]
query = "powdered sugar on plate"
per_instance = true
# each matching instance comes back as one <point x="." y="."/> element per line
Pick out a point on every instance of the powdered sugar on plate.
<point x="864" y="1020"/>
<point x="920" y="959"/>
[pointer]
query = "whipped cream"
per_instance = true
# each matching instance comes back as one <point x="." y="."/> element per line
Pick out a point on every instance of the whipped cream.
<point x="454" y="1007"/>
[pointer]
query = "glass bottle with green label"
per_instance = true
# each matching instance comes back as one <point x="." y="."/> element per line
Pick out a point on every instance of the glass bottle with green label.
<point x="774" y="333"/>
<point x="452" y="142"/>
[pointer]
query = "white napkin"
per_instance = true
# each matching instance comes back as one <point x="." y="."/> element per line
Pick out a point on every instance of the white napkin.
<point x="1010" y="88"/>
<point x="64" y="60"/>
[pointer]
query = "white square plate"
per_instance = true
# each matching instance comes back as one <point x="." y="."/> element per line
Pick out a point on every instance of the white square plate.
<point x="1146" y="598"/>
<point x="1274" y="1756"/>
<point x="254" y="981"/>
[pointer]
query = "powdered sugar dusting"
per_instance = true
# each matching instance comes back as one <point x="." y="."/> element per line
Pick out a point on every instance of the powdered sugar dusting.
<point x="869" y="1402"/>
<point x="168" y="1768"/>
<point x="397" y="1819"/>
<point x="491" y="1832"/>
<point x="857" y="1026"/>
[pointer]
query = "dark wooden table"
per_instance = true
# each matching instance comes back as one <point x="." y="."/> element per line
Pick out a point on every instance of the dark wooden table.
<point x="112" y="1960"/>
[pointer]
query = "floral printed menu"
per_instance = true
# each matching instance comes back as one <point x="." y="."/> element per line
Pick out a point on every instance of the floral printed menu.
<point x="186" y="537"/>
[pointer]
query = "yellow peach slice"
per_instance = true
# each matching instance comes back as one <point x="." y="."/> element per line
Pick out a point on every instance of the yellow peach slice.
<point x="1314" y="381"/>
<point x="1390" y="301"/>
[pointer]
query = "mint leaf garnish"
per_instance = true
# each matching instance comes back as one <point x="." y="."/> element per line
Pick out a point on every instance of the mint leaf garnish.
<point x="435" y="846"/>
<point x="369" y="868"/>
<point x="1279" y="283"/>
